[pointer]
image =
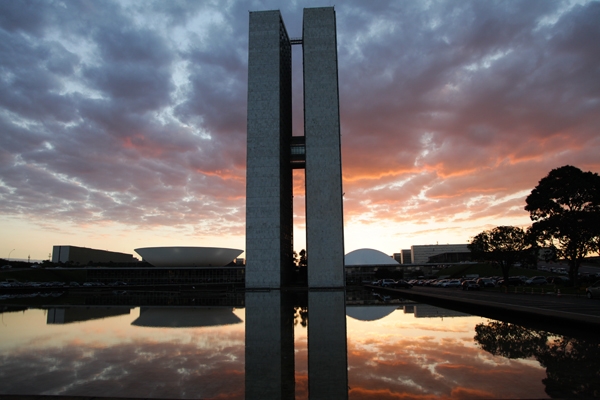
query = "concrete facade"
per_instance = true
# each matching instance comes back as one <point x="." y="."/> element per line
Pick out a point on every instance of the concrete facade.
<point x="269" y="214"/>
<point x="269" y="218"/>
<point x="324" y="210"/>
<point x="420" y="254"/>
<point x="405" y="256"/>
<point x="84" y="255"/>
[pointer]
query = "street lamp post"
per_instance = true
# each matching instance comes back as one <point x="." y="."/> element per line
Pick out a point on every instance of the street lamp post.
<point x="9" y="254"/>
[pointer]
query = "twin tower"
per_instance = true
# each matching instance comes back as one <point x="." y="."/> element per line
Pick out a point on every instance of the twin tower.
<point x="273" y="152"/>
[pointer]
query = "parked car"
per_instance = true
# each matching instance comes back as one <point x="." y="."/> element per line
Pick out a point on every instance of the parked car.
<point x="451" y="283"/>
<point x="400" y="283"/>
<point x="6" y="266"/>
<point x="382" y="297"/>
<point x="470" y="285"/>
<point x="557" y="280"/>
<point x="536" y="280"/>
<point x="593" y="291"/>
<point x="387" y="282"/>
<point x="486" y="282"/>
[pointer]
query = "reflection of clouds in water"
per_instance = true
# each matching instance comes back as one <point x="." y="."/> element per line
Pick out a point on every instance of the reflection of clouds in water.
<point x="426" y="367"/>
<point x="135" y="369"/>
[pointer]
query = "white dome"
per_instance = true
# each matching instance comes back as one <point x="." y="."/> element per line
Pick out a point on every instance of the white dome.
<point x="368" y="257"/>
<point x="188" y="256"/>
<point x="369" y="313"/>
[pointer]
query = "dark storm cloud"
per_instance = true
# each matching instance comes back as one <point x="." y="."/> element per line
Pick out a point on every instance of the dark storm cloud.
<point x="136" y="112"/>
<point x="87" y="126"/>
<point x="24" y="16"/>
<point x="470" y="91"/>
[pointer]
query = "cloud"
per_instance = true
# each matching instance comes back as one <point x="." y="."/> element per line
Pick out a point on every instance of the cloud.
<point x="213" y="368"/>
<point x="117" y="112"/>
<point x="398" y="367"/>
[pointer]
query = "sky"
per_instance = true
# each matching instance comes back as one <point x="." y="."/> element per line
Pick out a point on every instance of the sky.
<point x="123" y="123"/>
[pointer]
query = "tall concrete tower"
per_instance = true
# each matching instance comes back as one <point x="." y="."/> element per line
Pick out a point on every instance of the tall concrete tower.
<point x="272" y="153"/>
<point x="324" y="214"/>
<point x="269" y="214"/>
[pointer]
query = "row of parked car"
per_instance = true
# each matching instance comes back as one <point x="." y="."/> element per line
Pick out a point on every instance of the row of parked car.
<point x="592" y="291"/>
<point x="472" y="284"/>
<point x="494" y="281"/>
<point x="31" y="284"/>
<point x="57" y="284"/>
<point x="391" y="283"/>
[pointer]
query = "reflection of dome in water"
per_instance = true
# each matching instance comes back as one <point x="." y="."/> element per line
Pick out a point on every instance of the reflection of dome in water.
<point x="188" y="256"/>
<point x="189" y="317"/>
<point x="369" y="313"/>
<point x="368" y="257"/>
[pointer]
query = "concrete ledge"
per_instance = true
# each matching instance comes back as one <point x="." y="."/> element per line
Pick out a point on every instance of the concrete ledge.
<point x="579" y="321"/>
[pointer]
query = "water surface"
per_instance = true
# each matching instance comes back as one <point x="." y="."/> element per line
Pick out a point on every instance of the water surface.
<point x="400" y="350"/>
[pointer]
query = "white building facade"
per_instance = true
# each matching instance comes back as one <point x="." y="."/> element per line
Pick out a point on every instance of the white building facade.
<point x="420" y="254"/>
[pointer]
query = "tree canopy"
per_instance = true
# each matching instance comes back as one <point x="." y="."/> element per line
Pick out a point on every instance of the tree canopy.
<point x="503" y="245"/>
<point x="565" y="210"/>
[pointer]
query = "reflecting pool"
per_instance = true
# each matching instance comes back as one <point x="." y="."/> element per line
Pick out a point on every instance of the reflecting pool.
<point x="277" y="346"/>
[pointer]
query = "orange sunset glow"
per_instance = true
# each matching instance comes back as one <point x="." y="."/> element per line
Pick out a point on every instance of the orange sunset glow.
<point x="124" y="123"/>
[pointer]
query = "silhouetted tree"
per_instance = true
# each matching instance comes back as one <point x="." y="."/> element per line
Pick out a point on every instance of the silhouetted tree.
<point x="503" y="245"/>
<point x="565" y="210"/>
<point x="300" y="264"/>
<point x="572" y="369"/>
<point x="301" y="316"/>
<point x="510" y="340"/>
<point x="303" y="260"/>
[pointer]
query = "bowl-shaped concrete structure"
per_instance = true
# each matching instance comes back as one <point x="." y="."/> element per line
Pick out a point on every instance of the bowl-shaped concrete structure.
<point x="190" y="257"/>
<point x="368" y="257"/>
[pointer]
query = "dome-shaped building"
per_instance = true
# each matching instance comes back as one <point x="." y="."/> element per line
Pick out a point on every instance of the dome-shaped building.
<point x="368" y="257"/>
<point x="188" y="257"/>
<point x="362" y="264"/>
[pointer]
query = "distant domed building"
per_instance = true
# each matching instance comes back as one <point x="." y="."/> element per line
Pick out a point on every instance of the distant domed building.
<point x="368" y="257"/>
<point x="362" y="264"/>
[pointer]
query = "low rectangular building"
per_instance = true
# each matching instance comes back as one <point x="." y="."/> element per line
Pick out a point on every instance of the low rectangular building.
<point x="420" y="254"/>
<point x="84" y="255"/>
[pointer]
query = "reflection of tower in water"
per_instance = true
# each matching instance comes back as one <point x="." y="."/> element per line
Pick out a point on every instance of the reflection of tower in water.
<point x="327" y="350"/>
<point x="270" y="345"/>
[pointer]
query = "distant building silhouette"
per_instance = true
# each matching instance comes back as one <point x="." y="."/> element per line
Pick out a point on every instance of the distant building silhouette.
<point x="84" y="255"/>
<point x="421" y="254"/>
